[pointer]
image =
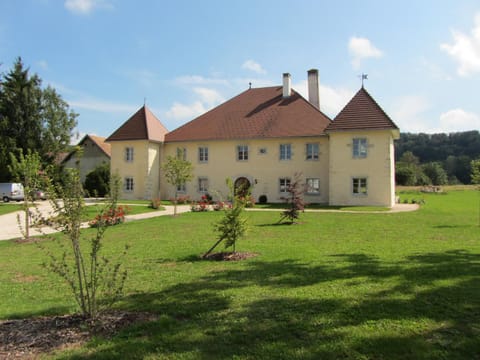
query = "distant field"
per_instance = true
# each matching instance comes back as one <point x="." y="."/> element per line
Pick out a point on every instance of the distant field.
<point x="336" y="286"/>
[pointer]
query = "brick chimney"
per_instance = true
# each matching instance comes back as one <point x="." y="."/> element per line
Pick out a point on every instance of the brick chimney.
<point x="313" y="90"/>
<point x="287" y="85"/>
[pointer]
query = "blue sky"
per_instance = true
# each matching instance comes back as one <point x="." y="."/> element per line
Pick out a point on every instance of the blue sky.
<point x="184" y="57"/>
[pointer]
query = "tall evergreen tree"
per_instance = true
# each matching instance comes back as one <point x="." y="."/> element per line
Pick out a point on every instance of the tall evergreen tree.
<point x="31" y="118"/>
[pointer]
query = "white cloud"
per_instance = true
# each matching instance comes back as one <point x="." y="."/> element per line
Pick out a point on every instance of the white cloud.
<point x="409" y="113"/>
<point x="434" y="70"/>
<point x="332" y="100"/>
<point x="42" y="64"/>
<point x="209" y="96"/>
<point x="412" y="114"/>
<point x="360" y="49"/>
<point x="144" y="77"/>
<point x="84" y="7"/>
<point x="77" y="135"/>
<point x="206" y="99"/>
<point x="180" y="111"/>
<point x="465" y="49"/>
<point x="253" y="66"/>
<point x="458" y="120"/>
<point x="199" y="80"/>
<point x="102" y="106"/>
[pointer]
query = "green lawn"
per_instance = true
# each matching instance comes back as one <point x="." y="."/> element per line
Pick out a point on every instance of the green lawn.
<point x="6" y="208"/>
<point x="339" y="285"/>
<point x="93" y="210"/>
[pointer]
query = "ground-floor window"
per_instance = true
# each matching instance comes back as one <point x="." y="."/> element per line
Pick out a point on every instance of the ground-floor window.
<point x="313" y="186"/>
<point x="284" y="184"/>
<point x="128" y="184"/>
<point x="359" y="186"/>
<point x="203" y="184"/>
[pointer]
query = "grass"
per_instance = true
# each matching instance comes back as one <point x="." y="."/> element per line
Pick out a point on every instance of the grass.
<point x="339" y="285"/>
<point x="323" y="207"/>
<point x="9" y="208"/>
<point x="93" y="210"/>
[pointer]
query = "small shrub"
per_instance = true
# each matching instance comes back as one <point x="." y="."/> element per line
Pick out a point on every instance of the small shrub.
<point x="155" y="203"/>
<point x="110" y="217"/>
<point x="201" y="205"/>
<point x="248" y="201"/>
<point x="185" y="199"/>
<point x="262" y="199"/>
<point x="294" y="201"/>
<point x="221" y="205"/>
<point x="208" y="198"/>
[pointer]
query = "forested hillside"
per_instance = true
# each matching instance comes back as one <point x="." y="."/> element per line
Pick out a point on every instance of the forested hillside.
<point x="436" y="158"/>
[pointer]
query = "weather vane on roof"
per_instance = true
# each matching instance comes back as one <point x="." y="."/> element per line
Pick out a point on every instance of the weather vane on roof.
<point x="364" y="77"/>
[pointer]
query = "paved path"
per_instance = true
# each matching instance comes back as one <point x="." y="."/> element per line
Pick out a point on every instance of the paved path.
<point x="9" y="222"/>
<point x="395" y="209"/>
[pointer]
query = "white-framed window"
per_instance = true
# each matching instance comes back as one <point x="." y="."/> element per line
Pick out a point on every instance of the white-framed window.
<point x="203" y="154"/>
<point x="313" y="186"/>
<point x="242" y="152"/>
<point x="182" y="154"/>
<point x="359" y="186"/>
<point x="128" y="184"/>
<point x="129" y="154"/>
<point x="359" y="147"/>
<point x="182" y="187"/>
<point x="284" y="184"/>
<point x="285" y="151"/>
<point x="312" y="151"/>
<point x="203" y="184"/>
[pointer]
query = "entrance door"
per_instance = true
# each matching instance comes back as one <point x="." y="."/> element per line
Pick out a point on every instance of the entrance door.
<point x="241" y="185"/>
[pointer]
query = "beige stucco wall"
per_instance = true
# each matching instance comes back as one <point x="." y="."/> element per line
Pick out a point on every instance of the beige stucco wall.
<point x="377" y="167"/>
<point x="92" y="157"/>
<point x="144" y="169"/>
<point x="262" y="170"/>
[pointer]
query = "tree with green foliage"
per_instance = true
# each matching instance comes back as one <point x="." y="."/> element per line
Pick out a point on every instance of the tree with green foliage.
<point x="408" y="171"/>
<point x="31" y="118"/>
<point x="475" y="166"/>
<point x="95" y="280"/>
<point x="435" y="172"/>
<point x="97" y="181"/>
<point x="26" y="170"/>
<point x="177" y="172"/>
<point x="233" y="225"/>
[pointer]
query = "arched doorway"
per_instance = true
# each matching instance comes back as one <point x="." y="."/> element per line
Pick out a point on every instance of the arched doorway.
<point x="241" y="186"/>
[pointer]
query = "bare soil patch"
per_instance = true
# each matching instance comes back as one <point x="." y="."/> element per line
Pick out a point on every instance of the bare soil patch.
<point x="230" y="256"/>
<point x="28" y="338"/>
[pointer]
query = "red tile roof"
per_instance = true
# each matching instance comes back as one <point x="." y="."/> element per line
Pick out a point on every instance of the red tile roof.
<point x="97" y="140"/>
<point x="255" y="113"/>
<point x="361" y="113"/>
<point x="143" y="125"/>
<point x="100" y="142"/>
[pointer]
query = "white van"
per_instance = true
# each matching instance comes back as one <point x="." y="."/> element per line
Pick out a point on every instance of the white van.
<point x="11" y="191"/>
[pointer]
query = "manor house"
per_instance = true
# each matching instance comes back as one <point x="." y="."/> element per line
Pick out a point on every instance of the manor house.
<point x="261" y="138"/>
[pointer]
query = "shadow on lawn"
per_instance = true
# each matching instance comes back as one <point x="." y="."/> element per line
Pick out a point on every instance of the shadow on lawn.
<point x="198" y="319"/>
